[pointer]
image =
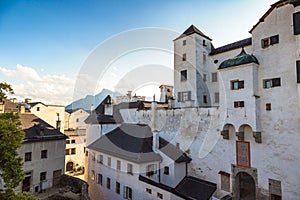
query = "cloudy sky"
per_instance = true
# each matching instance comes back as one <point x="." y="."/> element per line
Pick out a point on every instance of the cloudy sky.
<point x="44" y="44"/>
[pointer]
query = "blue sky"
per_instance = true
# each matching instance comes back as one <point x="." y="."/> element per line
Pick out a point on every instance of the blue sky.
<point x="53" y="38"/>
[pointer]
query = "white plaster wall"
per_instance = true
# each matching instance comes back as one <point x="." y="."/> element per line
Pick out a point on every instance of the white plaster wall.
<point x="48" y="113"/>
<point x="75" y="119"/>
<point x="55" y="160"/>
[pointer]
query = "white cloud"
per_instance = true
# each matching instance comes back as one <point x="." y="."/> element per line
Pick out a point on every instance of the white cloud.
<point x="50" y="89"/>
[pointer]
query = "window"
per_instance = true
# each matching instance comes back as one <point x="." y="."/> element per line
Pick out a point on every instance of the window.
<point x="127" y="193"/>
<point x="235" y="85"/>
<point x="183" y="75"/>
<point x="204" y="58"/>
<point x="184" y="57"/>
<point x="150" y="170"/>
<point x="274" y="39"/>
<point x="43" y="176"/>
<point x="100" y="159"/>
<point x="225" y="181"/>
<point x="298" y="71"/>
<point x="296" y="20"/>
<point x="68" y="141"/>
<point x="129" y="169"/>
<point x="37" y="108"/>
<point x="217" y="97"/>
<point x="238" y="104"/>
<point x="43" y="154"/>
<point x="160" y="195"/>
<point x="73" y="151"/>
<point x="265" y="43"/>
<point x="108" y="183"/>
<point x="117" y="187"/>
<point x="214" y="77"/>
<point x="275" y="82"/>
<point x="204" y="43"/>
<point x="99" y="179"/>
<point x="28" y="156"/>
<point x="268" y="106"/>
<point x="184" y="96"/>
<point x="92" y="175"/>
<point x="86" y="153"/>
<point x="166" y="170"/>
<point x="77" y="119"/>
<point x="67" y="151"/>
<point x="73" y="141"/>
<point x="204" y="78"/>
<point x="148" y="190"/>
<point x="118" y="165"/>
<point x="183" y="42"/>
<point x="275" y="189"/>
<point x="109" y="161"/>
<point x="204" y="99"/>
<point x="58" y="123"/>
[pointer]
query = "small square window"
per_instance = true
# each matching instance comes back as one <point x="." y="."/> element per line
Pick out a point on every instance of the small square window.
<point x="274" y="39"/>
<point x="265" y="43"/>
<point x="67" y="151"/>
<point x="73" y="151"/>
<point x="37" y="108"/>
<point x="268" y="106"/>
<point x="238" y="104"/>
<point x="160" y="195"/>
<point x="183" y="42"/>
<point x="183" y="74"/>
<point x="73" y="141"/>
<point x="148" y="190"/>
<point x="68" y="141"/>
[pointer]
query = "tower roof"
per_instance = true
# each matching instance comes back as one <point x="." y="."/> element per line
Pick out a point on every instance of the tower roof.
<point x="191" y="30"/>
<point x="241" y="59"/>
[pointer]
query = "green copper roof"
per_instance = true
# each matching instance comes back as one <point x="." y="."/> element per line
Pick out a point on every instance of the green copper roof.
<point x="241" y="59"/>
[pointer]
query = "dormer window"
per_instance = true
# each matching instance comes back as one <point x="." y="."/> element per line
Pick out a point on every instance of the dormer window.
<point x="151" y="170"/>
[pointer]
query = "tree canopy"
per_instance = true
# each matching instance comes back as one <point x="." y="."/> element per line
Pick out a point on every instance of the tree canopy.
<point x="11" y="138"/>
<point x="4" y="89"/>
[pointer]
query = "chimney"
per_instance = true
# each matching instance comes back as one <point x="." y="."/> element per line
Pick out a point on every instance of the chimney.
<point x="92" y="107"/>
<point x="22" y="108"/>
<point x="27" y="100"/>
<point x="154" y="128"/>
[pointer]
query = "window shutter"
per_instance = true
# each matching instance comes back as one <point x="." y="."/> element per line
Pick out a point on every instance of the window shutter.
<point x="296" y="20"/>
<point x="189" y="95"/>
<point x="179" y="97"/>
<point x="298" y="71"/>
<point x="124" y="192"/>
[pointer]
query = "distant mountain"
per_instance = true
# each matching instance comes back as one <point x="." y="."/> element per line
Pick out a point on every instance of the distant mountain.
<point x="85" y="103"/>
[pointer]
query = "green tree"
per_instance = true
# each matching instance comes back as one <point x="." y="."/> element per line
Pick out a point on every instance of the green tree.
<point x="4" y="89"/>
<point x="11" y="138"/>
